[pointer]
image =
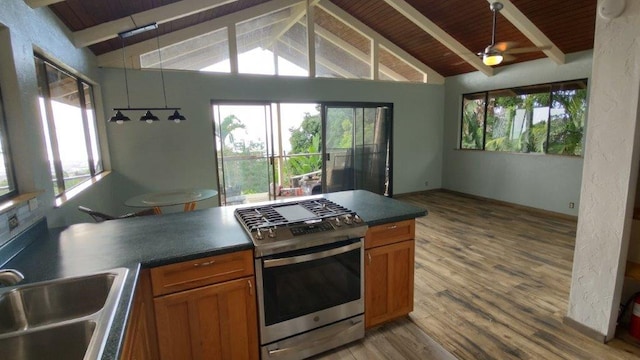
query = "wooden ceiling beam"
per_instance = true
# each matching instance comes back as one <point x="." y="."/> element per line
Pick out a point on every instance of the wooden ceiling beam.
<point x="114" y="58"/>
<point x="433" y="77"/>
<point x="34" y="4"/>
<point x="530" y="30"/>
<point x="159" y="15"/>
<point x="437" y="33"/>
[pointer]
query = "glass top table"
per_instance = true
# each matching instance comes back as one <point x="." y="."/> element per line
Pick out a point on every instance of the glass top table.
<point x="156" y="200"/>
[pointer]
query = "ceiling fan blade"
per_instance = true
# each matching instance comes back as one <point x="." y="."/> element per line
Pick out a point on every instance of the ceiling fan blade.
<point x="526" y="49"/>
<point x="504" y="45"/>
<point x="508" y="58"/>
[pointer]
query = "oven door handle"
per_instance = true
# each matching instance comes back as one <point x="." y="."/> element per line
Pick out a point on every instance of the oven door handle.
<point x="310" y="257"/>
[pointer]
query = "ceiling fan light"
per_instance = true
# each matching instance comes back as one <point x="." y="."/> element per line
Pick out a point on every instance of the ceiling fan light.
<point x="119" y="118"/>
<point x="149" y="117"/>
<point x="492" y="59"/>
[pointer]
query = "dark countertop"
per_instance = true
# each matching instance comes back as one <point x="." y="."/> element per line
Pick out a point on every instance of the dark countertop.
<point x="375" y="209"/>
<point x="163" y="239"/>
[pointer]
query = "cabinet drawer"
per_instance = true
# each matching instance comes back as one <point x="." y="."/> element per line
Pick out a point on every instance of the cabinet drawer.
<point x="390" y="233"/>
<point x="205" y="271"/>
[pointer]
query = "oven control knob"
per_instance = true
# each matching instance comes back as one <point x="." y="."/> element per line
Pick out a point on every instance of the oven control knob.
<point x="347" y="219"/>
<point x="357" y="219"/>
<point x="259" y="235"/>
<point x="338" y="223"/>
<point x="272" y="233"/>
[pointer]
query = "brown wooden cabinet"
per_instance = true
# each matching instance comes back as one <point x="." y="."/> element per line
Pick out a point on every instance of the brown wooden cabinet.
<point x="140" y="341"/>
<point x="206" y="309"/>
<point x="389" y="261"/>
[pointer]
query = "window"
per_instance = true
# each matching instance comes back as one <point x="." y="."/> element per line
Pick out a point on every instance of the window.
<point x="278" y="43"/>
<point x="68" y="119"/>
<point x="274" y="43"/>
<point x="547" y="118"/>
<point x="7" y="180"/>
<point x="206" y="52"/>
<point x="341" y="51"/>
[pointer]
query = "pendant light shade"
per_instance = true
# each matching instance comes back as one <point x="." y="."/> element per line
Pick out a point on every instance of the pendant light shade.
<point x="176" y="117"/>
<point x="119" y="118"/>
<point x="149" y="117"/>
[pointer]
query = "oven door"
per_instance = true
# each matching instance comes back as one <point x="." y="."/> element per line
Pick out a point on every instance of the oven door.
<point x="305" y="289"/>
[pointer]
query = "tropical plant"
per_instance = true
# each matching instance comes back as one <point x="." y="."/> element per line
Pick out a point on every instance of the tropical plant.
<point x="473" y="124"/>
<point x="305" y="164"/>
<point x="302" y="137"/>
<point x="567" y="128"/>
<point x="505" y="136"/>
<point x="226" y="128"/>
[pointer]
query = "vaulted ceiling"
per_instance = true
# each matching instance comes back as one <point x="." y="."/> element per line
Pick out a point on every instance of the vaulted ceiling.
<point x="444" y="35"/>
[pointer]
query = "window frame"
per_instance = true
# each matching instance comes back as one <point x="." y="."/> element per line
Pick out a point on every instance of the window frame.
<point x="8" y="159"/>
<point x="43" y="84"/>
<point x="486" y="95"/>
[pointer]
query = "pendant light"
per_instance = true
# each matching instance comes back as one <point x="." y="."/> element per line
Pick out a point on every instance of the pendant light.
<point x="148" y="117"/>
<point x="176" y="117"/>
<point x="119" y="118"/>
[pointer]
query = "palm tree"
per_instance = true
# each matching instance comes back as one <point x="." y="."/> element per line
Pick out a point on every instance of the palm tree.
<point x="226" y="128"/>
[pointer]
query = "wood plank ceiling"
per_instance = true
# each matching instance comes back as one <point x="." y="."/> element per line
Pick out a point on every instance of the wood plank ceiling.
<point x="569" y="25"/>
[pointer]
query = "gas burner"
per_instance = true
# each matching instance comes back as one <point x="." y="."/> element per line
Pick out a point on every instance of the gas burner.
<point x="289" y="213"/>
<point x="280" y="227"/>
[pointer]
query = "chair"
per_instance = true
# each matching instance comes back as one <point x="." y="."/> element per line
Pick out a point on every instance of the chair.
<point x="233" y="195"/>
<point x="100" y="217"/>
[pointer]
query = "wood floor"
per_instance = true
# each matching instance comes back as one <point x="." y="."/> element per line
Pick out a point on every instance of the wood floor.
<point x="491" y="282"/>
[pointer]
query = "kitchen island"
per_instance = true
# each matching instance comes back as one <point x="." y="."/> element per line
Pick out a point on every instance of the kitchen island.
<point x="153" y="241"/>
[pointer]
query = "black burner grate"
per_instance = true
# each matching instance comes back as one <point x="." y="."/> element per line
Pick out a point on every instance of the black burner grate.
<point x="258" y="217"/>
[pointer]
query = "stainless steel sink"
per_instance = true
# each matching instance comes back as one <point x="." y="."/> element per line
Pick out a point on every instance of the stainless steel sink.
<point x="49" y="302"/>
<point x="67" y="318"/>
<point x="67" y="341"/>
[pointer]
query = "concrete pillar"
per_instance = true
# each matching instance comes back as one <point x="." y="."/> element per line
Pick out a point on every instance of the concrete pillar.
<point x="609" y="173"/>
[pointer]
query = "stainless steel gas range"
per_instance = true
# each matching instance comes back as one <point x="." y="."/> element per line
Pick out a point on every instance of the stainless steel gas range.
<point x="309" y="275"/>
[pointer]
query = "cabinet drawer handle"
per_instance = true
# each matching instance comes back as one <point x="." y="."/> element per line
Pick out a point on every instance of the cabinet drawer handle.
<point x="206" y="263"/>
<point x="369" y="256"/>
<point x="250" y="287"/>
<point x="392" y="227"/>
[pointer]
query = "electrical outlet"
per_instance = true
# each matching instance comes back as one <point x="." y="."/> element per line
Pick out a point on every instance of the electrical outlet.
<point x="13" y="222"/>
<point x="571" y="205"/>
<point x="33" y="204"/>
<point x="426" y="183"/>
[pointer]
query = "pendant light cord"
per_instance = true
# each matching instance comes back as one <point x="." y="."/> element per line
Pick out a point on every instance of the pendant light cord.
<point x="124" y="64"/>
<point x="164" y="92"/>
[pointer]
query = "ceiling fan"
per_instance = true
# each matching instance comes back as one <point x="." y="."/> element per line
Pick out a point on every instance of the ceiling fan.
<point x="496" y="53"/>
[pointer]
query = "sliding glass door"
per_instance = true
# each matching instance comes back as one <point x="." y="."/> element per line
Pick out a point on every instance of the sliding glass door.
<point x="357" y="143"/>
<point x="244" y="145"/>
<point x="277" y="150"/>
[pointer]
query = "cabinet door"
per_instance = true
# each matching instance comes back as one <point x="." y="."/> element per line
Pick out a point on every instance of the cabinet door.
<point x="388" y="282"/>
<point x="212" y="322"/>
